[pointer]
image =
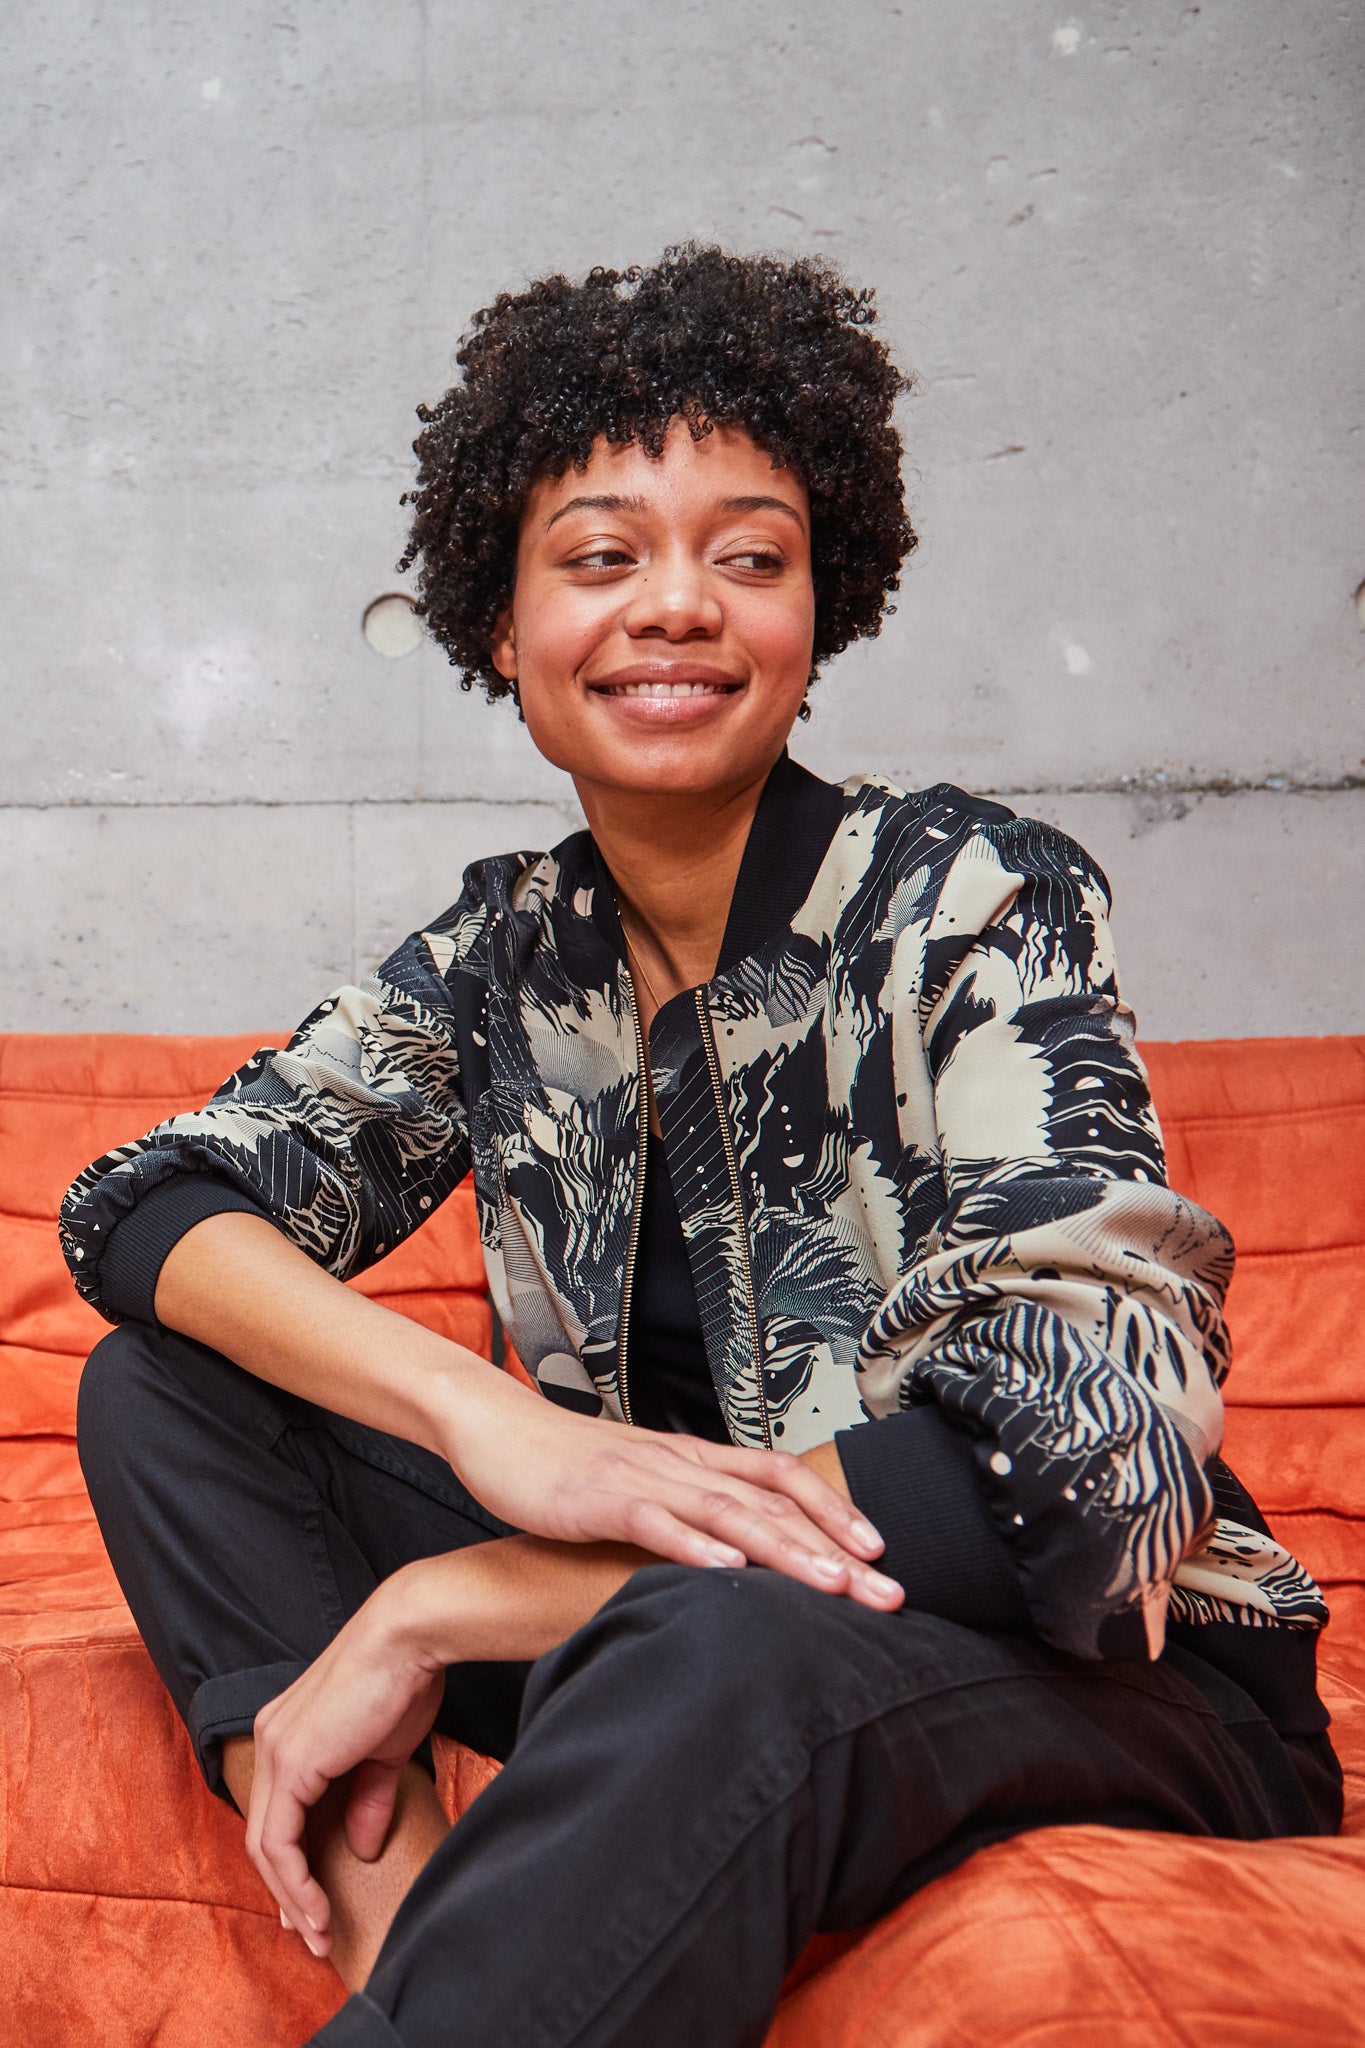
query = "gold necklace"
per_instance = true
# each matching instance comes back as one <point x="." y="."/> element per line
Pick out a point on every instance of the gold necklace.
<point x="644" y="971"/>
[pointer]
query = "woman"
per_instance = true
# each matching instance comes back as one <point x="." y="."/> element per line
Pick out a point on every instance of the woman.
<point x="822" y="1196"/>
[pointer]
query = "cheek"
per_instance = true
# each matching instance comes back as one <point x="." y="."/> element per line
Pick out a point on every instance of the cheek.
<point x="556" y="630"/>
<point x="779" y="636"/>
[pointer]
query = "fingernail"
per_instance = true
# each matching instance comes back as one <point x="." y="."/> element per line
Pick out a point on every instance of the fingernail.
<point x="284" y="1917"/>
<point x="727" y="1560"/>
<point x="863" y="1532"/>
<point x="885" y="1587"/>
<point x="315" y="1946"/>
<point x="314" y="1924"/>
<point x="827" y="1567"/>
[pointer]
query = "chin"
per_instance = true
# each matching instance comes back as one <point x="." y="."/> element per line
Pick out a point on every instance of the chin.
<point x="669" y="758"/>
<point x="685" y="763"/>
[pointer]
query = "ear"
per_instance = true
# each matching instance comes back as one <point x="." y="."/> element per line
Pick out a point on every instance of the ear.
<point x="504" y="648"/>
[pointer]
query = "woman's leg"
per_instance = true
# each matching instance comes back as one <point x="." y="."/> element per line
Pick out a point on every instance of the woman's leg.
<point x="722" y="1763"/>
<point x="245" y="1526"/>
<point x="363" y="1896"/>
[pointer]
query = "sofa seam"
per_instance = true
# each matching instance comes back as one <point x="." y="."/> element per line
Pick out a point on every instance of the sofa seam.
<point x="69" y="1891"/>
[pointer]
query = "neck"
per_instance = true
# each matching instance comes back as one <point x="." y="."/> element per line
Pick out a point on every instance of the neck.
<point x="674" y="860"/>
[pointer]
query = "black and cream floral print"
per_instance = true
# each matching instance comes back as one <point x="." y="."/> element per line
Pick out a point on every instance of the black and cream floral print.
<point x="913" y="1151"/>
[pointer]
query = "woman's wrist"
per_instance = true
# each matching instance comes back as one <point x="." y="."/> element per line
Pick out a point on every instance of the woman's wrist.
<point x="465" y="1606"/>
<point x="467" y="1404"/>
<point x="415" y="1614"/>
<point x="508" y="1600"/>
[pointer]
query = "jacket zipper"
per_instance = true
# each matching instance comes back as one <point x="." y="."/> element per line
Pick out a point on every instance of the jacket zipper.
<point x="732" y="1166"/>
<point x="638" y="1205"/>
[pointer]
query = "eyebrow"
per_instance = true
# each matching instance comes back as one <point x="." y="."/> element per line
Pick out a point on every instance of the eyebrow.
<point x="600" y="504"/>
<point x="764" y="504"/>
<point x="612" y="503"/>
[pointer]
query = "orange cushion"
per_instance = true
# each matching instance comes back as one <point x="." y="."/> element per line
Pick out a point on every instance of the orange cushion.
<point x="1270" y="1134"/>
<point x="1086" y="1938"/>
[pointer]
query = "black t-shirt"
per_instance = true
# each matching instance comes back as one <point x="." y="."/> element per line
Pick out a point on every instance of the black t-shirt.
<point x="668" y="1378"/>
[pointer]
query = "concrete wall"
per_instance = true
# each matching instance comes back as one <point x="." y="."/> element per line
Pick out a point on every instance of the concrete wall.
<point x="1116" y="245"/>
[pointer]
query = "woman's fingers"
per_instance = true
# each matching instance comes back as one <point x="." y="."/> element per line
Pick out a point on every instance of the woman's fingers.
<point x="683" y="1538"/>
<point x="784" y="1541"/>
<point x="369" y="1807"/>
<point x="720" y="1525"/>
<point x="783" y="1484"/>
<point x="284" y="1865"/>
<point x="357" y="1712"/>
<point x="787" y="1477"/>
<point x="650" y="1525"/>
<point x="775" y="1533"/>
<point x="276" y="1820"/>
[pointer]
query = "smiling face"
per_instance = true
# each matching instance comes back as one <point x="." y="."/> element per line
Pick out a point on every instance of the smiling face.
<point x="661" y="625"/>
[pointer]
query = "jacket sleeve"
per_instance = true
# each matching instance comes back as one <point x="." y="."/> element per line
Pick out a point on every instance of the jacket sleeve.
<point x="1067" y="1312"/>
<point x="347" y="1139"/>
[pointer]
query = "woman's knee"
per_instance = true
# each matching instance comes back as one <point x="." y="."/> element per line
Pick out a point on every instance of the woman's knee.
<point x="147" y="1395"/>
<point x="114" y="1380"/>
<point x="721" y="1645"/>
<point x="752" y="1629"/>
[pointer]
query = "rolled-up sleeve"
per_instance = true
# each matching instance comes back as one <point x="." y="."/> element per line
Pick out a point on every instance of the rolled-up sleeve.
<point x="346" y="1139"/>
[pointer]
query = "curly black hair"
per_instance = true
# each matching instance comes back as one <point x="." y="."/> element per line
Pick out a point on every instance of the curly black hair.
<point x="781" y="349"/>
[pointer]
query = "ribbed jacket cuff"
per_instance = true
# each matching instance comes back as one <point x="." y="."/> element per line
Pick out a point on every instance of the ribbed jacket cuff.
<point x="914" y="1476"/>
<point x="142" y="1241"/>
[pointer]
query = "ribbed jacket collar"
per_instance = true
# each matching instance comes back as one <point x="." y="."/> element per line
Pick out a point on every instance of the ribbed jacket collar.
<point x="793" y="825"/>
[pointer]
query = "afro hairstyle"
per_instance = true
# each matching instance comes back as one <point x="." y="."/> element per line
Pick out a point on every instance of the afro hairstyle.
<point x="782" y="349"/>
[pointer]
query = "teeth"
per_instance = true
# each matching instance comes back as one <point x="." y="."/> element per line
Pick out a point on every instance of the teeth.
<point x="667" y="690"/>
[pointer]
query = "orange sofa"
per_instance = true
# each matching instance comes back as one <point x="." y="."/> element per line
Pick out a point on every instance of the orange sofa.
<point x="129" y="1914"/>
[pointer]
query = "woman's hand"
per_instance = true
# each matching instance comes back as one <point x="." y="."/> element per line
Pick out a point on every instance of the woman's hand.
<point x="363" y="1706"/>
<point x="582" y="1480"/>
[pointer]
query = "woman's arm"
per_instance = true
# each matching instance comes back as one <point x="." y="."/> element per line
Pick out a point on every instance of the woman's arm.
<point x="234" y="1282"/>
<point x="1066" y="1319"/>
<point x="347" y="1140"/>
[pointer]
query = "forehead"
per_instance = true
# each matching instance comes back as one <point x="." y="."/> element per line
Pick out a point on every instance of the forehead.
<point x="687" y="476"/>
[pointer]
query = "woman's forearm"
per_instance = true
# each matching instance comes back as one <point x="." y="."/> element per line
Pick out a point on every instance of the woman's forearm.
<point x="503" y="1602"/>
<point x="235" y="1282"/>
<point x="511" y="1601"/>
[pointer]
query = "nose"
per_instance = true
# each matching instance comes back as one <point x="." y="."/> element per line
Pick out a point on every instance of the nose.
<point x="674" y="599"/>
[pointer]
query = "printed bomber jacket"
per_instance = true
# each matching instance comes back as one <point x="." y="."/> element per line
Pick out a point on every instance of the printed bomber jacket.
<point x="913" y="1151"/>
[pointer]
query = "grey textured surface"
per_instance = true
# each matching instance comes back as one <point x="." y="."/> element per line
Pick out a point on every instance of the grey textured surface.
<point x="1119" y="247"/>
<point x="1234" y="915"/>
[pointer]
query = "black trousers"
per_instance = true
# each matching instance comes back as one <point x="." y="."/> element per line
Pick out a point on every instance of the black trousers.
<point x="719" y="1764"/>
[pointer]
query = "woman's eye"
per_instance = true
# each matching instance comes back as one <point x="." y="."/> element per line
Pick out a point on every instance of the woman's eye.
<point x="762" y="559"/>
<point x="599" y="558"/>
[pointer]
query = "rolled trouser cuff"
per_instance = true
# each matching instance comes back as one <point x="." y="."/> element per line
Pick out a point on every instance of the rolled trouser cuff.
<point x="228" y="1705"/>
